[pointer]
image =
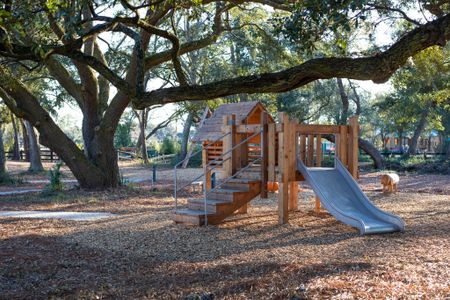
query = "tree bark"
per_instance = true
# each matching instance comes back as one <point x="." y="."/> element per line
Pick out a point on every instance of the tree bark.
<point x="357" y="99"/>
<point x="2" y="155"/>
<point x="143" y="125"/>
<point x="16" y="149"/>
<point x="35" y="152"/>
<point x="185" y="137"/>
<point x="368" y="148"/>
<point x="418" y="131"/>
<point x="25" y="139"/>
<point x="23" y="104"/>
<point x="344" y="100"/>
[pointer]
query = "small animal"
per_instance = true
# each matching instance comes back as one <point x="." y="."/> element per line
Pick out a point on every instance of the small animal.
<point x="390" y="182"/>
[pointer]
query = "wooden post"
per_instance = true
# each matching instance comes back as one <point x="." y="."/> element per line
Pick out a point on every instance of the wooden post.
<point x="303" y="148"/>
<point x="310" y="158"/>
<point x="353" y="146"/>
<point x="343" y="144"/>
<point x="293" y="195"/>
<point x="206" y="170"/>
<point x="264" y="154"/>
<point x="318" y="163"/>
<point x="293" y="185"/>
<point x="229" y="164"/>
<point x="283" y="192"/>
<point x="271" y="152"/>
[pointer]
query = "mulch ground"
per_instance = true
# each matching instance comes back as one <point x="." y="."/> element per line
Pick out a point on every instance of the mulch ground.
<point x="142" y="254"/>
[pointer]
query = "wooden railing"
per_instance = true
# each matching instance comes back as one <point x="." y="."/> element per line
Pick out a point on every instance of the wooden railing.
<point x="305" y="142"/>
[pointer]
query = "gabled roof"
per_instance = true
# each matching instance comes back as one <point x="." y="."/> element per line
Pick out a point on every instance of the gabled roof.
<point x="212" y="128"/>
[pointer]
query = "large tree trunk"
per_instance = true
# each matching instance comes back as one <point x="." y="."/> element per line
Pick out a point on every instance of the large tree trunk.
<point x="35" y="153"/>
<point x="418" y="131"/>
<point x="345" y="103"/>
<point x="185" y="137"/>
<point x="357" y="99"/>
<point x="25" y="139"/>
<point x="372" y="151"/>
<point x="2" y="155"/>
<point x="143" y="125"/>
<point x="368" y="148"/>
<point x="16" y="149"/>
<point x="20" y="101"/>
<point x="447" y="156"/>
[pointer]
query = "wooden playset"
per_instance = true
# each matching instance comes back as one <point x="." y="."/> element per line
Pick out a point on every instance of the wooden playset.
<point x="248" y="152"/>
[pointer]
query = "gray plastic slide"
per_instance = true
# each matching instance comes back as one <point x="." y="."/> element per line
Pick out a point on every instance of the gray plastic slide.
<point x="341" y="195"/>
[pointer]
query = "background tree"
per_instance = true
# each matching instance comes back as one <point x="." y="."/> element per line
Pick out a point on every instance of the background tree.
<point x="80" y="45"/>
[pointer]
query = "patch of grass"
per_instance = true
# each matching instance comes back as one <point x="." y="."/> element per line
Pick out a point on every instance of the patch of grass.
<point x="6" y="179"/>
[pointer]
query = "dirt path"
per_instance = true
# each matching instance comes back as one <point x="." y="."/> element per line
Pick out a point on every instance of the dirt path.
<point x="135" y="173"/>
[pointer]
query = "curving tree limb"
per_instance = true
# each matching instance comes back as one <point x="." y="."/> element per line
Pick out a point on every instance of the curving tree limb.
<point x="377" y="68"/>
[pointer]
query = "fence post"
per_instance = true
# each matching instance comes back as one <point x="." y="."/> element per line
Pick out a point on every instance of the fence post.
<point x="353" y="146"/>
<point x="51" y="155"/>
<point x="264" y="154"/>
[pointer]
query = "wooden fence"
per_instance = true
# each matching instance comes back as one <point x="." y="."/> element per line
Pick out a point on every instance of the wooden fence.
<point x="46" y="155"/>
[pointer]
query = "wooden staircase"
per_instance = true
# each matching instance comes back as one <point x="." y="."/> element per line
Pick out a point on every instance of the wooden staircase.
<point x="223" y="201"/>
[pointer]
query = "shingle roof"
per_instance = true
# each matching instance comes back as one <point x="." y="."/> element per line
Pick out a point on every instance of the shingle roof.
<point x="212" y="128"/>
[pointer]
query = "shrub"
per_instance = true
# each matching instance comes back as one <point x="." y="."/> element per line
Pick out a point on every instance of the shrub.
<point x="55" y="185"/>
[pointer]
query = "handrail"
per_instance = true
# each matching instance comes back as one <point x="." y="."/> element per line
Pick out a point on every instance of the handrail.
<point x="198" y="177"/>
<point x="215" y="162"/>
<point x="175" y="179"/>
<point x="235" y="174"/>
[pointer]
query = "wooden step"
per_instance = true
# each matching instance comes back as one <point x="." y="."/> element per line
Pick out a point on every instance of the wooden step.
<point x="241" y="183"/>
<point x="189" y="216"/>
<point x="212" y="206"/>
<point x="225" y="194"/>
<point x="221" y="202"/>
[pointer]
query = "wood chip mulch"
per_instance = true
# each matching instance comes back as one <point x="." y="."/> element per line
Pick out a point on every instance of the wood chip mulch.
<point x="142" y="254"/>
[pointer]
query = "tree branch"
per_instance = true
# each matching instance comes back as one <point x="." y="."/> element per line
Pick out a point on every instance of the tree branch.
<point x="377" y="68"/>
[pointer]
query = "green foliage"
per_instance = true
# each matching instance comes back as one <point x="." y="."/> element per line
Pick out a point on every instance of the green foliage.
<point x="56" y="185"/>
<point x="419" y="164"/>
<point x="122" y="137"/>
<point x="169" y="146"/>
<point x="6" y="179"/>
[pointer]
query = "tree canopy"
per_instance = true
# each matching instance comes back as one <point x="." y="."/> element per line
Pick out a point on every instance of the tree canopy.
<point x="100" y="54"/>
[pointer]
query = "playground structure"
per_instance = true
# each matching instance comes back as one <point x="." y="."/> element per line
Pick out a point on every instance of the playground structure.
<point x="246" y="149"/>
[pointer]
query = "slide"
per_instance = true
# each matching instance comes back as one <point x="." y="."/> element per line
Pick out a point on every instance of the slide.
<point x="341" y="195"/>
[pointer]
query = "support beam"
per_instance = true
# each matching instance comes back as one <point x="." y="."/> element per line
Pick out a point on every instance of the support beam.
<point x="264" y="154"/>
<point x="271" y="152"/>
<point x="206" y="170"/>
<point x="310" y="158"/>
<point x="303" y="148"/>
<point x="293" y="196"/>
<point x="343" y="144"/>
<point x="353" y="146"/>
<point x="283" y="193"/>
<point x="318" y="164"/>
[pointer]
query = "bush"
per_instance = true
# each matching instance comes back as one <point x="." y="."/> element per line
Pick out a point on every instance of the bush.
<point x="169" y="146"/>
<point x="436" y="165"/>
<point x="55" y="185"/>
